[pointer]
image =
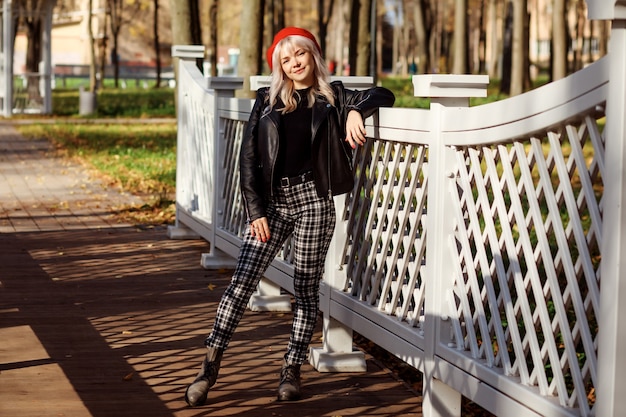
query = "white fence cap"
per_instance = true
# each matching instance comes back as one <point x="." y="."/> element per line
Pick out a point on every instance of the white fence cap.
<point x="188" y="51"/>
<point x="450" y="85"/>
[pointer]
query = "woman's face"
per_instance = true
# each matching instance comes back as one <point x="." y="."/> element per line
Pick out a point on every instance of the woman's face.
<point x="298" y="65"/>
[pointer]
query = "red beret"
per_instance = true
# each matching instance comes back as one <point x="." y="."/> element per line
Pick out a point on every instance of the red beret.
<point x="289" y="31"/>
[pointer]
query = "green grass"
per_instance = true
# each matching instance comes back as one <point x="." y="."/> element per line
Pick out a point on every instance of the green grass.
<point x="138" y="158"/>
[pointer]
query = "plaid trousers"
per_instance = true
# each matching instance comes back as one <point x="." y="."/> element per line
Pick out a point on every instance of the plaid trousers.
<point x="311" y="219"/>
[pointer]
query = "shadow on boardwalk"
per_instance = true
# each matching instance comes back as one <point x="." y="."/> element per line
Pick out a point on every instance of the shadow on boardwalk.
<point x="105" y="319"/>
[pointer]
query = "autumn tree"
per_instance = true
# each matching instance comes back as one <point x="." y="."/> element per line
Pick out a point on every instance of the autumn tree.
<point x="121" y="12"/>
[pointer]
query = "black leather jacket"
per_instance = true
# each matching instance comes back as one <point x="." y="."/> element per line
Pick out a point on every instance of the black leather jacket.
<point x="332" y="155"/>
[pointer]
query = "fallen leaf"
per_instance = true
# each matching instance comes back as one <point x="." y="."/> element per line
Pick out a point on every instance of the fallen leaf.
<point x="211" y="287"/>
<point x="129" y="376"/>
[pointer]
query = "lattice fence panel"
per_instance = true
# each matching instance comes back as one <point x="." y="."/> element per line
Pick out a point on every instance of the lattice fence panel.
<point x="235" y="217"/>
<point x="385" y="247"/>
<point x="234" y="212"/>
<point x="526" y="291"/>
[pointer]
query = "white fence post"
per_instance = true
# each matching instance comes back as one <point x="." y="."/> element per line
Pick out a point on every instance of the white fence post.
<point x="337" y="353"/>
<point x="182" y="53"/>
<point x="446" y="91"/>
<point x="223" y="87"/>
<point x="611" y="385"/>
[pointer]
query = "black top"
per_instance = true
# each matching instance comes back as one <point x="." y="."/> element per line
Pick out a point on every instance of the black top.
<point x="294" y="151"/>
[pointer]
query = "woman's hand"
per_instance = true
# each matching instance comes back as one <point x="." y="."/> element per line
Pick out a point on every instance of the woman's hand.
<point x="355" y="129"/>
<point x="260" y="229"/>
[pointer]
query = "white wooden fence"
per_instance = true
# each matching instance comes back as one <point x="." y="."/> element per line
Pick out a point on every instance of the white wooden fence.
<point x="471" y="247"/>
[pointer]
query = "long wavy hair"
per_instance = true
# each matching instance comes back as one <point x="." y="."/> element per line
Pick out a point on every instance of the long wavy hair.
<point x="282" y="87"/>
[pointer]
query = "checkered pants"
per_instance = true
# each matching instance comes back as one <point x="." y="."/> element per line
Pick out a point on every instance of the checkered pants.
<point x="311" y="219"/>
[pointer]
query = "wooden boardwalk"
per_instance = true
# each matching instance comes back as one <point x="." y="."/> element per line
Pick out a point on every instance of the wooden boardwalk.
<point x="99" y="318"/>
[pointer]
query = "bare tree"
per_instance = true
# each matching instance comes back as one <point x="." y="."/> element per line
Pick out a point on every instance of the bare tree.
<point x="121" y="12"/>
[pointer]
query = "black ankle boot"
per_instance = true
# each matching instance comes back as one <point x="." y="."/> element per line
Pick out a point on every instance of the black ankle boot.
<point x="198" y="390"/>
<point x="289" y="386"/>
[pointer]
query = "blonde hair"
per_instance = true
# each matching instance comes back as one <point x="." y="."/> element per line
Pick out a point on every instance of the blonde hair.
<point x="282" y="87"/>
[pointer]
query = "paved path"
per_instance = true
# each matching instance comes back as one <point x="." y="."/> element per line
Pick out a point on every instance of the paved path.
<point x="100" y="318"/>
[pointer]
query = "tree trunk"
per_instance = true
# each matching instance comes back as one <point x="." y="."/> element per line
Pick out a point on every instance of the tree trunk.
<point x="92" y="51"/>
<point x="603" y="36"/>
<point x="324" y="14"/>
<point x="559" y="41"/>
<point x="459" y="65"/>
<point x="380" y="17"/>
<point x="395" y="45"/>
<point x="364" y="39"/>
<point x="115" y="13"/>
<point x="436" y="36"/>
<point x="405" y="32"/>
<point x="353" y="39"/>
<point x="507" y="49"/>
<point x="480" y="37"/>
<point x="582" y="58"/>
<point x="420" y="34"/>
<point x="212" y="49"/>
<point x="181" y="23"/>
<point x="493" y="40"/>
<point x="30" y="13"/>
<point x="250" y="39"/>
<point x="157" y="46"/>
<point x="103" y="53"/>
<point x="519" y="60"/>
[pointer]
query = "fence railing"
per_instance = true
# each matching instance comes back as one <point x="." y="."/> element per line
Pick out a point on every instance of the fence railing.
<point x="469" y="246"/>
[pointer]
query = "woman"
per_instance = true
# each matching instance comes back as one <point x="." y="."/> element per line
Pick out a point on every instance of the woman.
<point x="295" y="155"/>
